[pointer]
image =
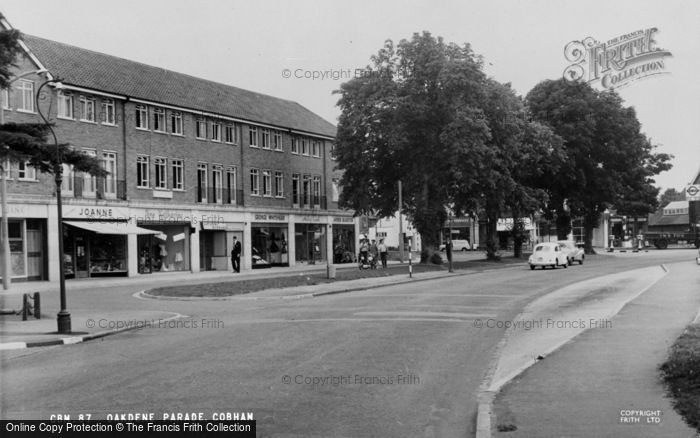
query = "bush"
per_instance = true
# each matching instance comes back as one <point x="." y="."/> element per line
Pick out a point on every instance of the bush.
<point x="436" y="258"/>
<point x="681" y="374"/>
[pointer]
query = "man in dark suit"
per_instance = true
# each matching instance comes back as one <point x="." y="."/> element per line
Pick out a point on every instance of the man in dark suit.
<point x="236" y="255"/>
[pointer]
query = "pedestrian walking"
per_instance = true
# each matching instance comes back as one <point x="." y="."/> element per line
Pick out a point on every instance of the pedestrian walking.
<point x="382" y="253"/>
<point x="236" y="255"/>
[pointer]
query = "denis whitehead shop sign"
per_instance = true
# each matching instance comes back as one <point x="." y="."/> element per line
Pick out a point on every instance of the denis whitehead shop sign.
<point x="617" y="62"/>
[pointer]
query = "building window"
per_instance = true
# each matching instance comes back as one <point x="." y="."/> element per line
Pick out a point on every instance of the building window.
<point x="160" y="173"/>
<point x="6" y="98"/>
<point x="331" y="154"/>
<point x="26" y="95"/>
<point x="316" y="148"/>
<point x="216" y="132"/>
<point x="176" y="123"/>
<point x="142" y="167"/>
<point x="296" y="145"/>
<point x="217" y="183"/>
<point x="67" y="182"/>
<point x="108" y="116"/>
<point x="265" y="138"/>
<point x="65" y="105"/>
<point x="231" y="184"/>
<point x="159" y="119"/>
<point x="231" y="134"/>
<point x="201" y="129"/>
<point x="25" y="171"/>
<point x="267" y="183"/>
<point x="89" y="181"/>
<point x="335" y="190"/>
<point x="279" y="184"/>
<point x="109" y="163"/>
<point x="87" y="109"/>
<point x="277" y="141"/>
<point x="316" y="191"/>
<point x="202" y="182"/>
<point x="254" y="182"/>
<point x="253" y="136"/>
<point x="295" y="189"/>
<point x="306" y="191"/>
<point x="178" y="168"/>
<point x="141" y="117"/>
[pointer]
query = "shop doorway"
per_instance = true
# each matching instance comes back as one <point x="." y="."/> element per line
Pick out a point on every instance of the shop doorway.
<point x="35" y="259"/>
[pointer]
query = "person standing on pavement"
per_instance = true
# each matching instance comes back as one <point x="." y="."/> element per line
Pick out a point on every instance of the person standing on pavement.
<point x="236" y="255"/>
<point x="382" y="253"/>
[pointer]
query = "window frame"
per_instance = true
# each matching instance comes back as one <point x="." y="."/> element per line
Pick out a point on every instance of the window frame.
<point x="198" y="125"/>
<point x="111" y="177"/>
<point x="29" y="171"/>
<point x="253" y="135"/>
<point x="143" y="162"/>
<point x="159" y="120"/>
<point x="216" y="132"/>
<point x="254" y="181"/>
<point x="160" y="173"/>
<point x="26" y="95"/>
<point x="62" y="97"/>
<point x="267" y="183"/>
<point x="232" y="176"/>
<point x="141" y="119"/>
<point x="279" y="184"/>
<point x="85" y="103"/>
<point x="265" y="138"/>
<point x="277" y="141"/>
<point x="176" y="121"/>
<point x="177" y="165"/>
<point x="105" y="104"/>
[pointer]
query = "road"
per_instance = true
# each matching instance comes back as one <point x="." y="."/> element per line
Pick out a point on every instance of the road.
<point x="398" y="361"/>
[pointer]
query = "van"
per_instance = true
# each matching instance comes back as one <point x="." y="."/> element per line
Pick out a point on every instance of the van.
<point x="458" y="245"/>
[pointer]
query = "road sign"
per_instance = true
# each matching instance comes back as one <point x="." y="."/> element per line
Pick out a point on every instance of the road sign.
<point x="692" y="192"/>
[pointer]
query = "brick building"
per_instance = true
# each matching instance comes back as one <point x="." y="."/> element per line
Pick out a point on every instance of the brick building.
<point x="192" y="163"/>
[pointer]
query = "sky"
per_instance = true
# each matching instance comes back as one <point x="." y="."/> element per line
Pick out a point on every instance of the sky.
<point x="303" y="50"/>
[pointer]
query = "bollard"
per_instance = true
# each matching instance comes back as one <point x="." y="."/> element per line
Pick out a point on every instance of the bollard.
<point x="37" y="305"/>
<point x="331" y="271"/>
<point x="25" y="306"/>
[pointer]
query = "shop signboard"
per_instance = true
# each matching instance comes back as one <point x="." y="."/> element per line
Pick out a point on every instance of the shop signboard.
<point x="96" y="212"/>
<point x="269" y="217"/>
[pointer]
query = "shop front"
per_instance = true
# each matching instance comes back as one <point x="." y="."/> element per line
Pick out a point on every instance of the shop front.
<point x="95" y="248"/>
<point x="269" y="234"/>
<point x="310" y="240"/>
<point x="344" y="240"/>
<point x="27" y="248"/>
<point x="167" y="250"/>
<point x="216" y="243"/>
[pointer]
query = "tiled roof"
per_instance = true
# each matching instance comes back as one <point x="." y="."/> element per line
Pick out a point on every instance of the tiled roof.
<point x="98" y="71"/>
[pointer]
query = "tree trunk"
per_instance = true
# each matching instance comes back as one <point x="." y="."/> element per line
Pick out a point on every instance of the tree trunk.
<point x="492" y="236"/>
<point x="563" y="225"/>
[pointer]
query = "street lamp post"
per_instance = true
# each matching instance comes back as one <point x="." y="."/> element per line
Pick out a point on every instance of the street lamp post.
<point x="63" y="318"/>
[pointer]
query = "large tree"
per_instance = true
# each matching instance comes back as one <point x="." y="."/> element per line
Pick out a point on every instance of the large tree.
<point x="608" y="159"/>
<point x="414" y="116"/>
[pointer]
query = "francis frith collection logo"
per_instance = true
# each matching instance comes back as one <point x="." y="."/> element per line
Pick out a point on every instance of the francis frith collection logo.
<point x="617" y="62"/>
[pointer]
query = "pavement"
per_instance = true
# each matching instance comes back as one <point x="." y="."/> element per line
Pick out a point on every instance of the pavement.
<point x="17" y="334"/>
<point x="605" y="382"/>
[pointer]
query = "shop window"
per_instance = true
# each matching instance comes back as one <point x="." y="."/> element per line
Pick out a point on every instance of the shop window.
<point x="164" y="252"/>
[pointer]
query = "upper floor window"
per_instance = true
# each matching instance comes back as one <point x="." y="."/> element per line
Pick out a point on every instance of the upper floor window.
<point x="331" y="153"/>
<point x="6" y="98"/>
<point x="178" y="167"/>
<point x="141" y="117"/>
<point x="265" y="138"/>
<point x="279" y="184"/>
<point x="65" y="105"/>
<point x="159" y="119"/>
<point x="335" y="190"/>
<point x="316" y="188"/>
<point x="200" y="129"/>
<point x="25" y="171"/>
<point x="89" y="181"/>
<point x="161" y="173"/>
<point x="108" y="116"/>
<point x="142" y="166"/>
<point x="176" y="123"/>
<point x="25" y="89"/>
<point x="216" y="131"/>
<point x="87" y="109"/>
<point x="316" y="148"/>
<point x="253" y="136"/>
<point x="109" y="163"/>
<point x="295" y="189"/>
<point x="296" y="142"/>
<point x="231" y="134"/>
<point x="267" y="183"/>
<point x="277" y="141"/>
<point x="254" y="182"/>
<point x="231" y="184"/>
<point x="304" y="146"/>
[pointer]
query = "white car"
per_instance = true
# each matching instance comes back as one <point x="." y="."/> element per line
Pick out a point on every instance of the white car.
<point x="573" y="252"/>
<point x="458" y="245"/>
<point x="548" y="254"/>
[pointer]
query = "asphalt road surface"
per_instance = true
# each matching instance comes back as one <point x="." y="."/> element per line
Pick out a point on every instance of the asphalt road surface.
<point x="398" y="361"/>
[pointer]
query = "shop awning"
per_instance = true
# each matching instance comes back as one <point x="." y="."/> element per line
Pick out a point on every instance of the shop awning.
<point x="111" y="227"/>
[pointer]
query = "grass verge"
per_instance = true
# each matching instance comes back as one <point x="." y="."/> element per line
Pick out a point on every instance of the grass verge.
<point x="681" y="374"/>
<point x="238" y="287"/>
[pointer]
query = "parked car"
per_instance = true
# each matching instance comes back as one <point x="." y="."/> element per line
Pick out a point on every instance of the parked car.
<point x="573" y="252"/>
<point x="548" y="254"/>
<point x="458" y="245"/>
